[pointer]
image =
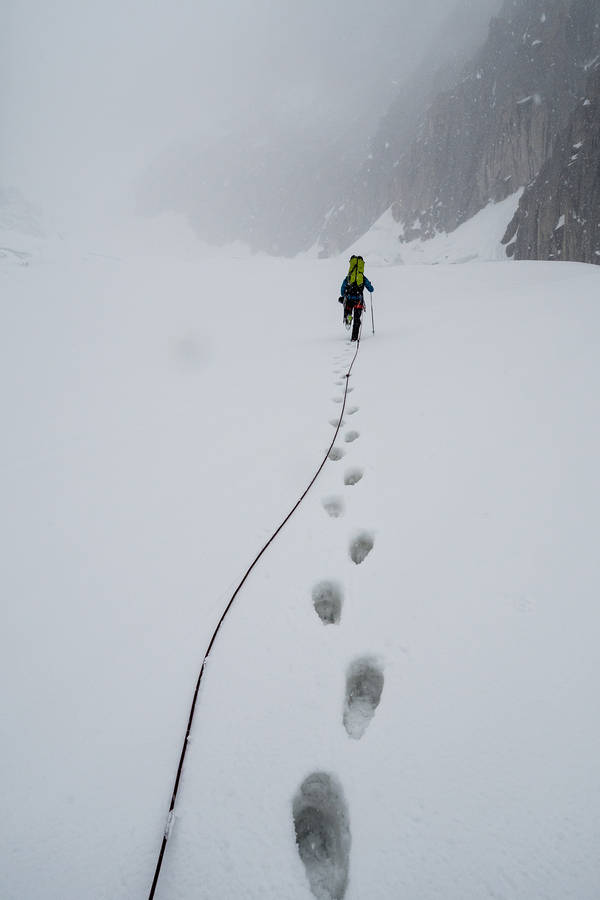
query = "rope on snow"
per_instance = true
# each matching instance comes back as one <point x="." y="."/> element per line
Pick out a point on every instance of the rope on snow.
<point x="171" y="815"/>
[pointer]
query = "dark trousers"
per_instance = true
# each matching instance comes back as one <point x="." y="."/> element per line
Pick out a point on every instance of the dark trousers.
<point x="356" y="304"/>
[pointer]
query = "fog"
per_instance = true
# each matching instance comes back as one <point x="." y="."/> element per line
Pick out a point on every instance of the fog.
<point x="92" y="93"/>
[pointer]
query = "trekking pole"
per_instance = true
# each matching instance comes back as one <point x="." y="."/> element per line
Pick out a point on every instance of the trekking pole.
<point x="372" y="319"/>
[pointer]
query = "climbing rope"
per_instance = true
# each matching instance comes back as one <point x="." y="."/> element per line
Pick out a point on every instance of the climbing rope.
<point x="171" y="816"/>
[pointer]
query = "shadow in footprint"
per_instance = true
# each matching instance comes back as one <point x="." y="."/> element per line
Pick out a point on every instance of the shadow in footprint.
<point x="353" y="476"/>
<point x="352" y="410"/>
<point x="351" y="436"/>
<point x="323" y="835"/>
<point x="336" y="422"/>
<point x="333" y="506"/>
<point x="335" y="453"/>
<point x="364" y="684"/>
<point x="361" y="546"/>
<point x="327" y="600"/>
<point x="337" y="399"/>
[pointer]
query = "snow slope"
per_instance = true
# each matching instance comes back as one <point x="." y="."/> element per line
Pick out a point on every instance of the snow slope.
<point x="476" y="240"/>
<point x="160" y="418"/>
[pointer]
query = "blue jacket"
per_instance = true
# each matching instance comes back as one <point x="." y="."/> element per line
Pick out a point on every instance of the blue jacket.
<point x="368" y="286"/>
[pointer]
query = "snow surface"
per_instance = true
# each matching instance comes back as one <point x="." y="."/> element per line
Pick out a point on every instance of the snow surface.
<point x="160" y="418"/>
<point x="477" y="239"/>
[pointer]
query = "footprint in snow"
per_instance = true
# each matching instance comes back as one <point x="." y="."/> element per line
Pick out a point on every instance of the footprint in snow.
<point x="361" y="546"/>
<point x="353" y="476"/>
<point x="333" y="506"/>
<point x="335" y="453"/>
<point x="364" y="684"/>
<point x="337" y="399"/>
<point x="351" y="436"/>
<point x="323" y="835"/>
<point x="327" y="600"/>
<point x="336" y="422"/>
<point x="352" y="410"/>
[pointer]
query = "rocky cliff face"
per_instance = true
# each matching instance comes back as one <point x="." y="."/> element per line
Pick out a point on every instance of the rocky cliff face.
<point x="379" y="180"/>
<point x="492" y="132"/>
<point x="559" y="213"/>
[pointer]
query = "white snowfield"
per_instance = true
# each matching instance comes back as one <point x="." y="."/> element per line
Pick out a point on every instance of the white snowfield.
<point x="403" y="702"/>
<point x="479" y="239"/>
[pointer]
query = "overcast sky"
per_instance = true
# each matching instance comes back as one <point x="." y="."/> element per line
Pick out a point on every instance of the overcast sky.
<point x="92" y="90"/>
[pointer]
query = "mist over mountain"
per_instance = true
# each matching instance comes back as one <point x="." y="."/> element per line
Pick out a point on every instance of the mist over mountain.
<point x="17" y="214"/>
<point x="292" y="179"/>
<point x="498" y="103"/>
<point x="94" y="96"/>
<point x="490" y="133"/>
<point x="374" y="187"/>
<point x="298" y="133"/>
<point x="271" y="191"/>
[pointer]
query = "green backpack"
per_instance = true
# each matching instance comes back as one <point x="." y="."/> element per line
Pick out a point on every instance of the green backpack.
<point x="356" y="273"/>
